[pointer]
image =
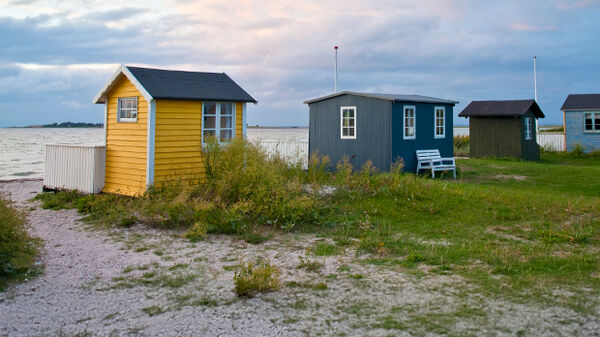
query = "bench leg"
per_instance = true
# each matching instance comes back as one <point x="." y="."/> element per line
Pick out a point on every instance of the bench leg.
<point x="432" y="173"/>
<point x="454" y="171"/>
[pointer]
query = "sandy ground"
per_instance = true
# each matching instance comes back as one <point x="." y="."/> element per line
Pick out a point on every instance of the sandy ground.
<point x="143" y="282"/>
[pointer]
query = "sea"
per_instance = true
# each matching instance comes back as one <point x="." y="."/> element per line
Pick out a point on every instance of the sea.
<point x="22" y="150"/>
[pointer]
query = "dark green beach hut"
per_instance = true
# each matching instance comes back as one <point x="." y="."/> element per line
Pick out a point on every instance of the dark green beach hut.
<point x="503" y="128"/>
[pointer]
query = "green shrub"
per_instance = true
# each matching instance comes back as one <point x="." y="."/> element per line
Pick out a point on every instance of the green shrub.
<point x="18" y="249"/>
<point x="256" y="277"/>
<point x="318" y="168"/>
<point x="247" y="187"/>
<point x="578" y="150"/>
<point x="197" y="232"/>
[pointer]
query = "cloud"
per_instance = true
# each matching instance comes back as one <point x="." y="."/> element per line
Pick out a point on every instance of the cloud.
<point x="531" y="28"/>
<point x="570" y="4"/>
<point x="118" y="14"/>
<point x="281" y="52"/>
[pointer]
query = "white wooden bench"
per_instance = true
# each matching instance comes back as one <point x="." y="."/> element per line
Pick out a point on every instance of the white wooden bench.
<point x="432" y="160"/>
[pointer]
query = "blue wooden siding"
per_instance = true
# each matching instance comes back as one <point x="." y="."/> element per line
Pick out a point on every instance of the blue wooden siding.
<point x="373" y="132"/>
<point x="575" y="135"/>
<point x="425" y="133"/>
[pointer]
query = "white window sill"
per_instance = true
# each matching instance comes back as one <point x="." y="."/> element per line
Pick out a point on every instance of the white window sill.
<point x="127" y="120"/>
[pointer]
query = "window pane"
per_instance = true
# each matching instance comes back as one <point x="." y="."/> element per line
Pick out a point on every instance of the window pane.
<point x="210" y="122"/>
<point x="597" y="122"/>
<point x="225" y="135"/>
<point x="410" y="131"/>
<point x="209" y="135"/>
<point x="345" y="113"/>
<point x="588" y="121"/>
<point x="351" y="132"/>
<point x="351" y="122"/>
<point x="226" y="108"/>
<point x="210" y="108"/>
<point x="226" y="122"/>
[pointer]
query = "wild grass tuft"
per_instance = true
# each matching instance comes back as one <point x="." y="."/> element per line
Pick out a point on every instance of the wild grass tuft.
<point x="461" y="146"/>
<point x="256" y="277"/>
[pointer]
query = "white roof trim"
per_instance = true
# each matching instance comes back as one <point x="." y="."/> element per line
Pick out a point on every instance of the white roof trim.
<point x="415" y="98"/>
<point x="101" y="97"/>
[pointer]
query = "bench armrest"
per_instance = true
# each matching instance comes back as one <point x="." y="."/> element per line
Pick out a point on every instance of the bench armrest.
<point x="441" y="161"/>
<point x="448" y="159"/>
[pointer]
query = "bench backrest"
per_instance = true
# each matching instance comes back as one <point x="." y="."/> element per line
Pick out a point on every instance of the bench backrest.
<point x="425" y="155"/>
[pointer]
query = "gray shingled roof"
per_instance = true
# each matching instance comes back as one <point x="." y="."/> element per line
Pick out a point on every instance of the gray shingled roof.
<point x="501" y="108"/>
<point x="188" y="85"/>
<point x="389" y="97"/>
<point x="582" y="101"/>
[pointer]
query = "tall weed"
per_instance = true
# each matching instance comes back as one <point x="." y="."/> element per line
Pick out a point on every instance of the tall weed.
<point x="18" y="249"/>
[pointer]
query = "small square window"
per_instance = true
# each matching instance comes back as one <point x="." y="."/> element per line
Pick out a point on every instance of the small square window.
<point x="127" y="109"/>
<point x="218" y="121"/>
<point x="591" y="122"/>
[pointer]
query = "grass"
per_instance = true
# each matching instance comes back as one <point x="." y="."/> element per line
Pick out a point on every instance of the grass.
<point x="505" y="226"/>
<point x="325" y="249"/>
<point x="18" y="250"/>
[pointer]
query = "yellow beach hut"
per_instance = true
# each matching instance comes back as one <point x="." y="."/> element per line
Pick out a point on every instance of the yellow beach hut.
<point x="157" y="121"/>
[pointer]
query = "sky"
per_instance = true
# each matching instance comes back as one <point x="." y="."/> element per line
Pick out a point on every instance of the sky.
<point x="55" y="56"/>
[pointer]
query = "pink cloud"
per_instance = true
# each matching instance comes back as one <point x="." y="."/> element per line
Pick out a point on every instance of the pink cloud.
<point x="531" y="28"/>
<point x="569" y="4"/>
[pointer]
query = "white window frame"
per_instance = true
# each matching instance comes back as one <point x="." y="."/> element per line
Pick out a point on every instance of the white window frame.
<point x="435" y="120"/>
<point x="594" y="114"/>
<point x="414" y="117"/>
<point x="119" y="109"/>
<point x="342" y="108"/>
<point x="217" y="115"/>
<point x="528" y="129"/>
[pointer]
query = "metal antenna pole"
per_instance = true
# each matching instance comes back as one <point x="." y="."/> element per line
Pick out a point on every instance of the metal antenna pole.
<point x="335" y="84"/>
<point x="534" y="78"/>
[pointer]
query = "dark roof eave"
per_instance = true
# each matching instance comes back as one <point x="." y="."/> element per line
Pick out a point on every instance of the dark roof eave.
<point x="432" y="100"/>
<point x="480" y="109"/>
<point x="581" y="102"/>
<point x="215" y="99"/>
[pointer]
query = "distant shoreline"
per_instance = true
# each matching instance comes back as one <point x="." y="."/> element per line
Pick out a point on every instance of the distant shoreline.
<point x="64" y="125"/>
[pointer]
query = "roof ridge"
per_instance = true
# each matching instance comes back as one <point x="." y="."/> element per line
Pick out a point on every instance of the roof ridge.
<point x="179" y="71"/>
<point x="506" y="100"/>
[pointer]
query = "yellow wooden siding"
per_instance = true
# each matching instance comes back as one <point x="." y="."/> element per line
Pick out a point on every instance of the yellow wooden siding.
<point x="239" y="129"/>
<point x="178" y="140"/>
<point x="126" y="144"/>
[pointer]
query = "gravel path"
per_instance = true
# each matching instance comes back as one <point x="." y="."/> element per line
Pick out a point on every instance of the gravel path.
<point x="142" y="282"/>
<point x="64" y="301"/>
